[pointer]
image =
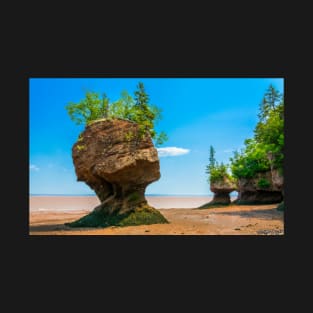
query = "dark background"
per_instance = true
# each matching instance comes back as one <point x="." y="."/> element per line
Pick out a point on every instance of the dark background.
<point x="234" y="269"/>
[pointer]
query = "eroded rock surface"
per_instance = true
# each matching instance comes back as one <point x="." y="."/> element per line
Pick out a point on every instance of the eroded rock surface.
<point x="221" y="190"/>
<point x="261" y="189"/>
<point x="117" y="164"/>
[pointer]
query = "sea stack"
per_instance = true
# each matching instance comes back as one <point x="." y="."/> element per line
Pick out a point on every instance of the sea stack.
<point x="221" y="189"/>
<point x="118" y="163"/>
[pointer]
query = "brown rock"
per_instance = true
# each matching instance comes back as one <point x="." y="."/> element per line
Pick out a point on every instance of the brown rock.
<point x="277" y="180"/>
<point x="251" y="191"/>
<point x="222" y="189"/>
<point x="111" y="159"/>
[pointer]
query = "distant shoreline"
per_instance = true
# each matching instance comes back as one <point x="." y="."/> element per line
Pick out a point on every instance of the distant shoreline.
<point x="147" y="195"/>
<point x="70" y="203"/>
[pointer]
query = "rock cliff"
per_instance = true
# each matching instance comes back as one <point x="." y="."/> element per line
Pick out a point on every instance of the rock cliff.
<point x="221" y="189"/>
<point x="264" y="188"/>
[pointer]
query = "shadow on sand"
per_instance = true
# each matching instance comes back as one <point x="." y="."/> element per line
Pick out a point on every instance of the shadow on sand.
<point x="54" y="227"/>
<point x="266" y="214"/>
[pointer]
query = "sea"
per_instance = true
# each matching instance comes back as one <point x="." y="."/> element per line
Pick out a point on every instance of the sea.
<point x="89" y="202"/>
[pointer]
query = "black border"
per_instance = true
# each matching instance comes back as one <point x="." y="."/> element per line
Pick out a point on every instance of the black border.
<point x="244" y="273"/>
<point x="225" y="250"/>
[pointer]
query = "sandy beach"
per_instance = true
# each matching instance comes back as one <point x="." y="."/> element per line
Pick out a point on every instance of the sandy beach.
<point x="48" y="215"/>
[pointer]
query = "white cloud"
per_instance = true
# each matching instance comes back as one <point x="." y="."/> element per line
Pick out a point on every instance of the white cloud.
<point x="171" y="151"/>
<point x="33" y="167"/>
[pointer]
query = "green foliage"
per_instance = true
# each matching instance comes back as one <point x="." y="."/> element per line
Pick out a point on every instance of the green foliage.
<point x="80" y="147"/>
<point x="270" y="133"/>
<point x="88" y="109"/>
<point x="271" y="98"/>
<point x="264" y="183"/>
<point x="212" y="161"/>
<point x="216" y="172"/>
<point x="161" y="138"/>
<point x="146" y="115"/>
<point x="80" y="138"/>
<point x="129" y="136"/>
<point x="265" y="150"/>
<point x="251" y="160"/>
<point x="137" y="109"/>
<point x="123" y="108"/>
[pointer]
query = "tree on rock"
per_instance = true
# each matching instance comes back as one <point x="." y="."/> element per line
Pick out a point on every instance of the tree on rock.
<point x="115" y="156"/>
<point x="137" y="109"/>
<point x="221" y="182"/>
<point x="146" y="115"/>
<point x="261" y="160"/>
<point x="90" y="108"/>
<point x="271" y="99"/>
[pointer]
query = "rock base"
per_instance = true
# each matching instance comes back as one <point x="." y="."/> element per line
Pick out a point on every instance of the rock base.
<point x="141" y="215"/>
<point x="219" y="199"/>
<point x="259" y="197"/>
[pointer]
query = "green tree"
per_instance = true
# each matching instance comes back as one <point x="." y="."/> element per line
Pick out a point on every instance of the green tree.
<point x="270" y="133"/>
<point x="88" y="109"/>
<point x="250" y="160"/>
<point x="212" y="162"/>
<point x="137" y="109"/>
<point x="104" y="111"/>
<point x="216" y="171"/>
<point x="147" y="115"/>
<point x="144" y="116"/>
<point x="265" y="150"/>
<point x="271" y="98"/>
<point x="212" y="157"/>
<point x="123" y="107"/>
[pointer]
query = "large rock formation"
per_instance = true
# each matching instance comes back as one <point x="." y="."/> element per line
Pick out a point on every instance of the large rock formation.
<point x="261" y="189"/>
<point x="221" y="190"/>
<point x="113" y="160"/>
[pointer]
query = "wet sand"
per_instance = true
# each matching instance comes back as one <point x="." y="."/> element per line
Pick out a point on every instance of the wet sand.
<point x="229" y="220"/>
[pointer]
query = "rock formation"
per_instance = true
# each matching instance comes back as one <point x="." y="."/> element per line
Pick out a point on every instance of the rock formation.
<point x="113" y="160"/>
<point x="221" y="190"/>
<point x="261" y="189"/>
<point x="278" y="180"/>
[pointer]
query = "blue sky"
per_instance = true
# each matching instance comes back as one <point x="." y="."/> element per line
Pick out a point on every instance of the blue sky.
<point x="197" y="113"/>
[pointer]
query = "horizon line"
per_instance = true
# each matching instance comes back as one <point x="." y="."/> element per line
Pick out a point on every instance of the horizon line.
<point x="89" y="194"/>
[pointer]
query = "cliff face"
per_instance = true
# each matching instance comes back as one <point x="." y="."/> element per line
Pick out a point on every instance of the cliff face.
<point x="277" y="180"/>
<point x="261" y="189"/>
<point x="117" y="164"/>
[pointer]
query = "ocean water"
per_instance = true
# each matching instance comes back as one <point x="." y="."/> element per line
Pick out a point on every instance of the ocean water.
<point x="89" y="202"/>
